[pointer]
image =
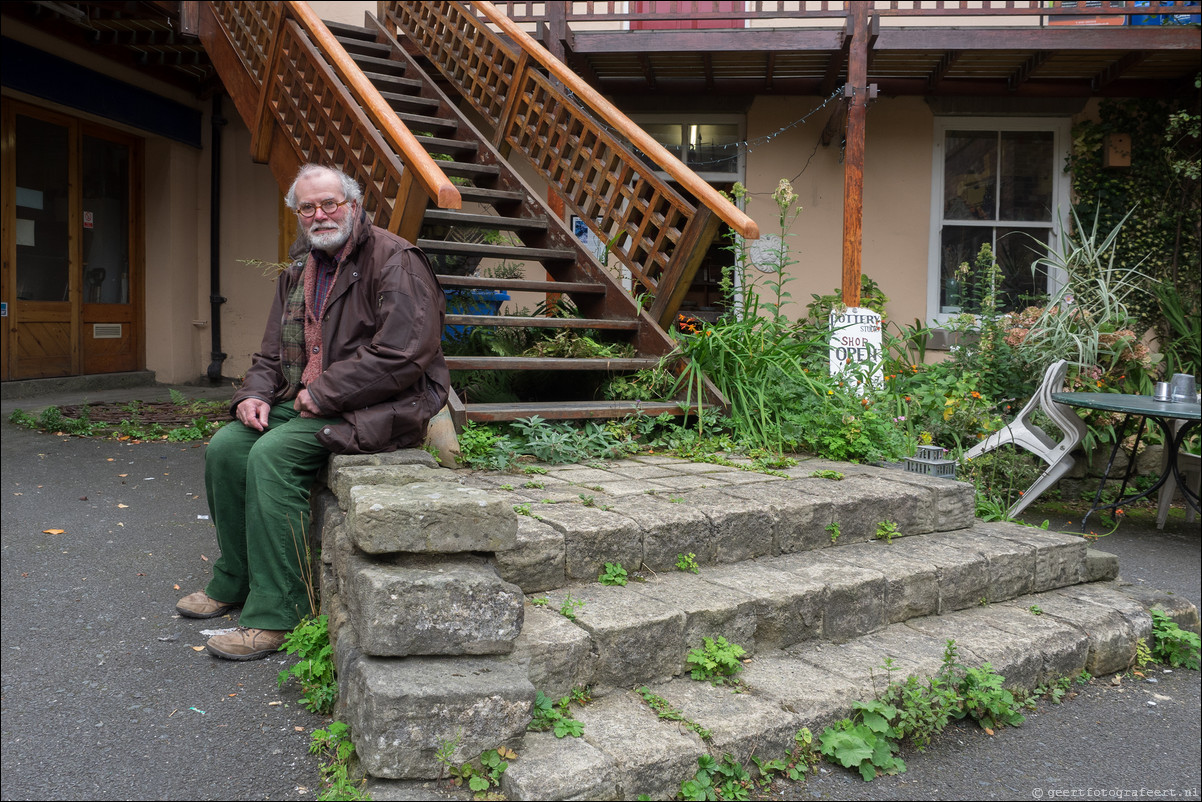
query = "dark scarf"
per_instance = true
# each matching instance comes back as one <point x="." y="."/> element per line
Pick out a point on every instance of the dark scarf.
<point x="299" y="331"/>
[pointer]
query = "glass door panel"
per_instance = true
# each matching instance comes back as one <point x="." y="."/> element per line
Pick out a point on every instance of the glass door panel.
<point x="43" y="231"/>
<point x="105" y="221"/>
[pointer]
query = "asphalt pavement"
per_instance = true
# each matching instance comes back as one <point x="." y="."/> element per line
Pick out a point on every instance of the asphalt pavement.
<point x="106" y="693"/>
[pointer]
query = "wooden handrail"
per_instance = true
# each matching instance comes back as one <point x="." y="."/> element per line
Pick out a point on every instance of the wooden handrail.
<point x="620" y="123"/>
<point x="432" y="180"/>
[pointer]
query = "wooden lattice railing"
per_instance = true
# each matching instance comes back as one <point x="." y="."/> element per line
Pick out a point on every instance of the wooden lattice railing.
<point x="527" y="11"/>
<point x="305" y="101"/>
<point x="650" y="228"/>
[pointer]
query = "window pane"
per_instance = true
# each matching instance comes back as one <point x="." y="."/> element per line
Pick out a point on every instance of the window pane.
<point x="1026" y="175"/>
<point x="711" y="147"/>
<point x="959" y="245"/>
<point x="668" y="135"/>
<point x="969" y="175"/>
<point x="105" y="222"/>
<point x="43" y="210"/>
<point x="1016" y="250"/>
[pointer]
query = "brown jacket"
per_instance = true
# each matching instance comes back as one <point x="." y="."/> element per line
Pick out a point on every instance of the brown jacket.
<point x="383" y="369"/>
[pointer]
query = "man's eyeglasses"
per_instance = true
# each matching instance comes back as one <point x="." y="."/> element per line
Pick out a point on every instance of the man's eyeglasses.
<point x="329" y="206"/>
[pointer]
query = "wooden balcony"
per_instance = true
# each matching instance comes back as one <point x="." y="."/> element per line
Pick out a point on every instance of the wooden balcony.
<point x="1010" y="48"/>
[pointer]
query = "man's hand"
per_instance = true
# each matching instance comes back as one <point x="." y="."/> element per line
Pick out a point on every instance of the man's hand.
<point x="253" y="413"/>
<point x="305" y="403"/>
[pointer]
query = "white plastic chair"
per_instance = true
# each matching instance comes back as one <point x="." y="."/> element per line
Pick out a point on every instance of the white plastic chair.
<point x="1189" y="466"/>
<point x="1025" y="433"/>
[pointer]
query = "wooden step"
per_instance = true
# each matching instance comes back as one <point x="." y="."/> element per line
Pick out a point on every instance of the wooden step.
<point x="550" y="363"/>
<point x="469" y="169"/>
<point x="521" y="285"/>
<point x="490" y="196"/>
<point x="452" y="217"/>
<point x="424" y="122"/>
<point x="542" y="322"/>
<point x="511" y="252"/>
<point x="363" y="47"/>
<point x="411" y="103"/>
<point x="569" y="410"/>
<point x="392" y="83"/>
<point x="348" y="31"/>
<point x="380" y="66"/>
<point x="435" y="144"/>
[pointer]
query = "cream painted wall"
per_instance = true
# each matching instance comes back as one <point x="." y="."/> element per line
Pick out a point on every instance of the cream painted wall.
<point x="250" y="199"/>
<point x="897" y="180"/>
<point x="348" y="11"/>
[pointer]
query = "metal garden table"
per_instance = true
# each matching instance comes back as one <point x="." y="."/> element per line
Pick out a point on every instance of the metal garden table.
<point x="1145" y="408"/>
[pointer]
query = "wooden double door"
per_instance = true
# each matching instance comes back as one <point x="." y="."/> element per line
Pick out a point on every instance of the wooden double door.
<point x="72" y="216"/>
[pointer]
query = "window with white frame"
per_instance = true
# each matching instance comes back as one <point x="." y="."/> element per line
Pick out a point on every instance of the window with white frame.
<point x="997" y="181"/>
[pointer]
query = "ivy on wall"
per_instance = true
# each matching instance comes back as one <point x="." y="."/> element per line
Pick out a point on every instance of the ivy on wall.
<point x="1163" y="237"/>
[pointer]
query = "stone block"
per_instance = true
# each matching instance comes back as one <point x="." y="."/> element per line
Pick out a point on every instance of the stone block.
<point x="326" y="516"/>
<point x="669" y="529"/>
<point x="740" y="724"/>
<point x="560" y="768"/>
<point x="560" y="654"/>
<point x="431" y="605"/>
<point x="853" y="598"/>
<point x="429" y="517"/>
<point x="911" y="583"/>
<point x="637" y="639"/>
<point x="1059" y="558"/>
<point x="1112" y="632"/>
<point x="741" y="528"/>
<point x="1065" y="648"/>
<point x="343" y="478"/>
<point x="963" y="573"/>
<point x="802" y="509"/>
<point x="593" y="537"/>
<point x="536" y="562"/>
<point x="1010" y="566"/>
<point x="404" y="456"/>
<point x="710" y="609"/>
<point x="1178" y="608"/>
<point x="815" y="695"/>
<point x="402" y="711"/>
<point x="653" y="757"/>
<point x="788" y="608"/>
<point x="1100" y="566"/>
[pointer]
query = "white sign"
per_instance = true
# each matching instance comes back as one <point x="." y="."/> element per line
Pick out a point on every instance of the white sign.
<point x="856" y="342"/>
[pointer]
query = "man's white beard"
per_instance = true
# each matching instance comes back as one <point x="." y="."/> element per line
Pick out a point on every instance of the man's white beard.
<point x="330" y="239"/>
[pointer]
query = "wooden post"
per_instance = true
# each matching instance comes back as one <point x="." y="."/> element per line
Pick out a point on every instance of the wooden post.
<point x="853" y="157"/>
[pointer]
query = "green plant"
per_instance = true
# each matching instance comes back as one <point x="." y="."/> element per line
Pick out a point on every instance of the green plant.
<point x="485" y="773"/>
<point x="835" y="475"/>
<point x="556" y="717"/>
<point x="923" y="707"/>
<point x="570" y="607"/>
<point x="333" y="745"/>
<point x="482" y="448"/>
<point x="1173" y="645"/>
<point x="614" y="574"/>
<point x="983" y="699"/>
<point x="886" y="531"/>
<point x="717" y="780"/>
<point x="833" y="530"/>
<point x="310" y="641"/>
<point x="687" y="562"/>
<point x="1035" y="609"/>
<point x="668" y="713"/>
<point x="865" y="741"/>
<point x="540" y="601"/>
<point x="1143" y="654"/>
<point x="717" y="661"/>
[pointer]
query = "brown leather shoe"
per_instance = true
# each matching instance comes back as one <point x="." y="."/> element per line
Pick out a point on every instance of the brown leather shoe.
<point x="200" y="605"/>
<point x="246" y="643"/>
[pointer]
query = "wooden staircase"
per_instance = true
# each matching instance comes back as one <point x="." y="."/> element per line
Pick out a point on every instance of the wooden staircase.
<point x="430" y="174"/>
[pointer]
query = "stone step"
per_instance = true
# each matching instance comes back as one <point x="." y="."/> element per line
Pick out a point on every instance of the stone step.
<point x="625" y="636"/>
<point x="626" y="750"/>
<point x="647" y="510"/>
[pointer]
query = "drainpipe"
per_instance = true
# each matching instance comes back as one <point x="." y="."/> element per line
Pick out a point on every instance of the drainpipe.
<point x="215" y="299"/>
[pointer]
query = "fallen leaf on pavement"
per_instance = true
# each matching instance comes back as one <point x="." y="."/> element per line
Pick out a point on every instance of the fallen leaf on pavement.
<point x="176" y="587"/>
<point x="198" y="648"/>
<point x="123" y="506"/>
<point x="206" y="559"/>
<point x="299" y="729"/>
<point x="54" y="531"/>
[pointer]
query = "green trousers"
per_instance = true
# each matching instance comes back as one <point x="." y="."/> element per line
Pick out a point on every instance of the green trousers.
<point x="258" y="484"/>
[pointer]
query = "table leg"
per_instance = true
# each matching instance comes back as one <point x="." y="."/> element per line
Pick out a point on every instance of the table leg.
<point x="1174" y="445"/>
<point x="1170" y="441"/>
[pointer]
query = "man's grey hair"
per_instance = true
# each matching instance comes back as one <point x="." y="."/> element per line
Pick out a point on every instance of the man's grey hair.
<point x="350" y="187"/>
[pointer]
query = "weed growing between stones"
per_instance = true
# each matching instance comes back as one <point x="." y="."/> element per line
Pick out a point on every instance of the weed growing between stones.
<point x="480" y="776"/>
<point x="886" y="531"/>
<point x="666" y="712"/>
<point x="333" y="745"/>
<point x="833" y="530"/>
<point x="833" y="475"/>
<point x="1173" y="645"/>
<point x="717" y="662"/>
<point x="548" y="715"/>
<point x="687" y="562"/>
<point x="571" y="605"/>
<point x="310" y="641"/>
<point x="614" y="574"/>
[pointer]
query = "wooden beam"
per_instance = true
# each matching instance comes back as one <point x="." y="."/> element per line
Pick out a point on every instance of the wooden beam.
<point x="853" y="157"/>
<point x="1115" y="71"/>
<point x="1023" y="73"/>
